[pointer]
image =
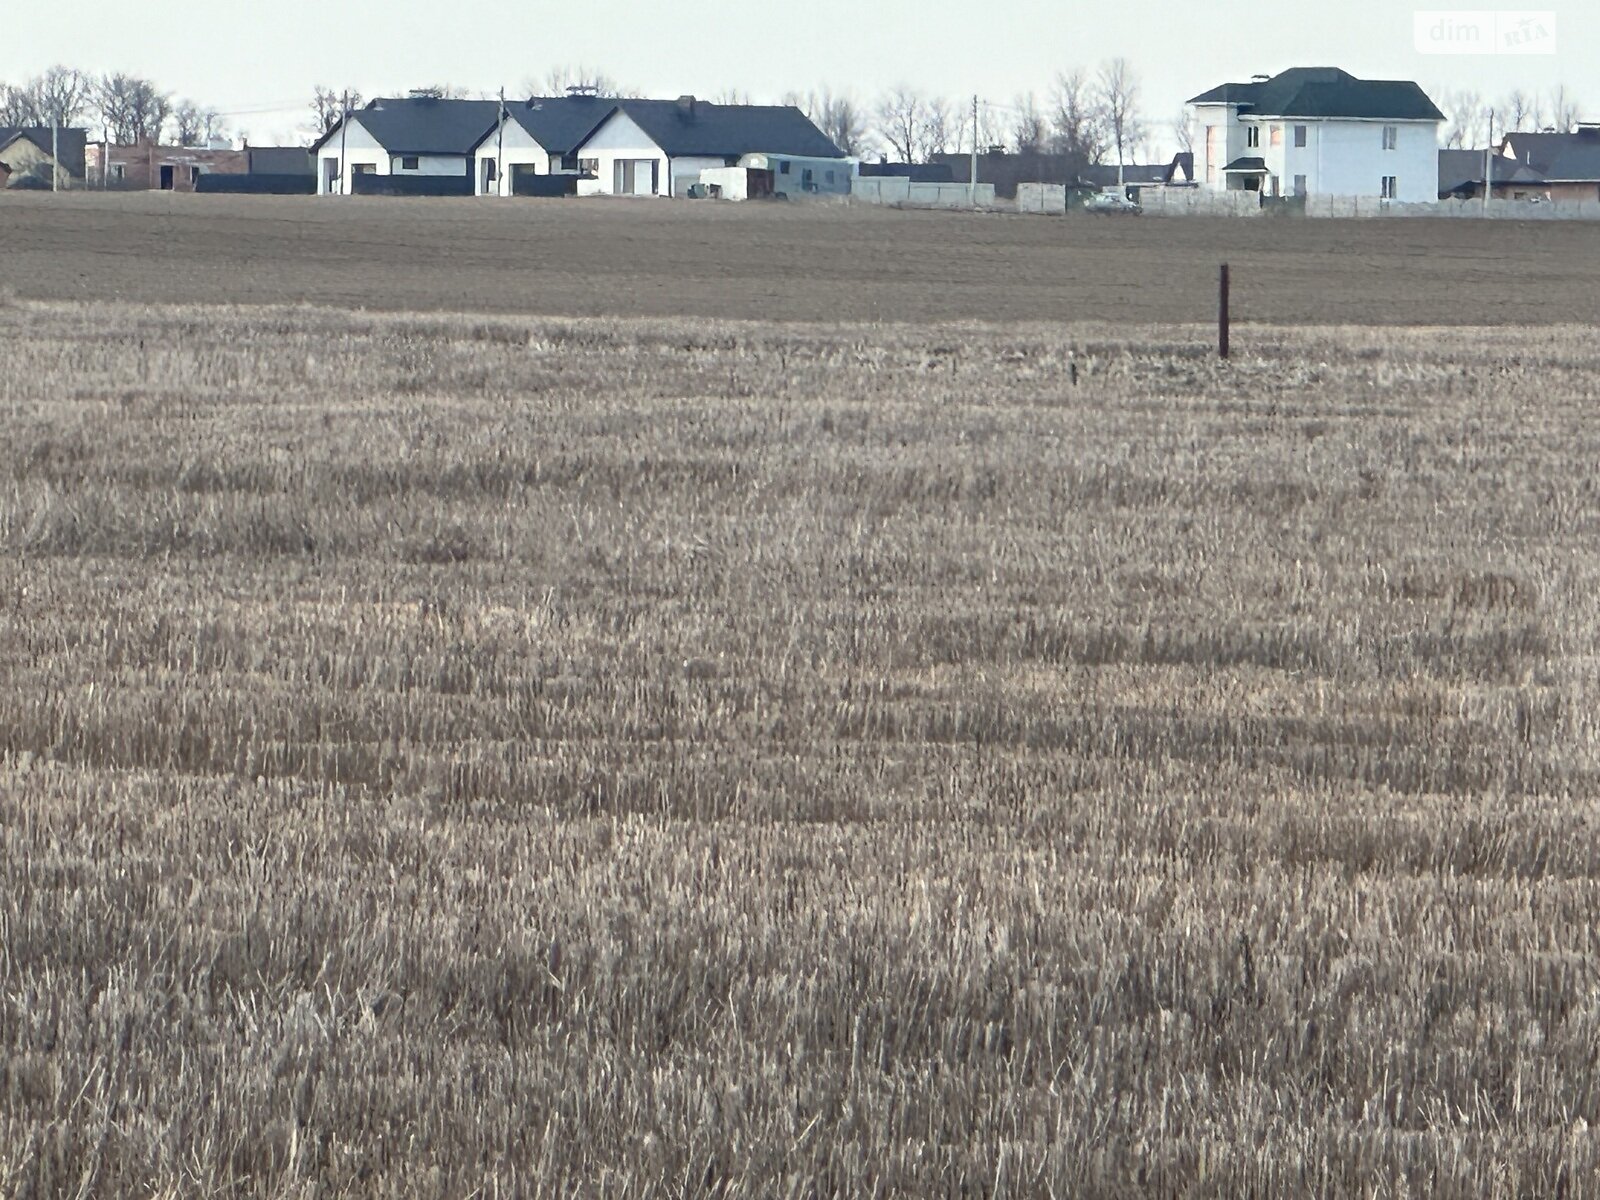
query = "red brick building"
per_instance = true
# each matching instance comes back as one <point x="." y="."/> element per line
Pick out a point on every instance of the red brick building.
<point x="149" y="167"/>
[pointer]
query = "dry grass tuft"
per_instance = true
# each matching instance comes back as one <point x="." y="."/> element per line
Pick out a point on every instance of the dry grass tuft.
<point x="445" y="754"/>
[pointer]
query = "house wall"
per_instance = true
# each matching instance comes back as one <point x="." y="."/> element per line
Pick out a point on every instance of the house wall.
<point x="22" y="156"/>
<point x="1215" y="151"/>
<point x="1573" y="193"/>
<point x="1347" y="158"/>
<point x="520" y="150"/>
<point x="1340" y="158"/>
<point x="360" y="149"/>
<point x="686" y="171"/>
<point x="429" y="164"/>
<point x="138" y="167"/>
<point x="619" y="139"/>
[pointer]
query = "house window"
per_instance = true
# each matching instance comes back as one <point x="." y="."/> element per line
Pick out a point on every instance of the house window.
<point x="783" y="167"/>
<point x="1391" y="137"/>
<point x="1300" y="136"/>
<point x="589" y="167"/>
<point x="119" y="170"/>
<point x="1277" y="136"/>
<point x="409" y="162"/>
<point x="1299" y="185"/>
<point x="1252" y="135"/>
<point x="1389" y="188"/>
<point x="830" y="176"/>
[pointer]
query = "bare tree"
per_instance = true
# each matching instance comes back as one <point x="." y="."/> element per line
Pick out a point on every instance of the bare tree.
<point x="901" y="121"/>
<point x="1077" y="121"/>
<point x="188" y="123"/>
<point x="1183" y="130"/>
<point x="838" y="116"/>
<point x="1520" y="111"/>
<point x="61" y="96"/>
<point x="1564" y="114"/>
<point x="1118" y="92"/>
<point x="133" y="109"/>
<point x="941" y="128"/>
<point x="1467" y="117"/>
<point x="1029" y="130"/>
<point x="17" y="107"/>
<point x="327" y="106"/>
<point x="735" y="96"/>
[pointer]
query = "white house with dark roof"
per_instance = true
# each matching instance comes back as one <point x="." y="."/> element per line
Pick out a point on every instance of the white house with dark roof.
<point x="1319" y="131"/>
<point x="418" y="136"/>
<point x="537" y="136"/>
<point x="659" y="147"/>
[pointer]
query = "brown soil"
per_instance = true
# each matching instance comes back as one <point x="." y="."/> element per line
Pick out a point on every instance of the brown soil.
<point x="789" y="262"/>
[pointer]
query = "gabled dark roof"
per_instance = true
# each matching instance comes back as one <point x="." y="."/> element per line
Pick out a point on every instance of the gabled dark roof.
<point x="1182" y="163"/>
<point x="73" y="143"/>
<point x="423" y="125"/>
<point x="684" y="127"/>
<point x="1325" y="92"/>
<point x="1462" y="168"/>
<point x="1560" y="157"/>
<point x="560" y="123"/>
<point x="1247" y="166"/>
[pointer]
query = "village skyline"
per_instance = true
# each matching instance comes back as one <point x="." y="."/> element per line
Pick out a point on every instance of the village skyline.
<point x="259" y="75"/>
<point x="1097" y="112"/>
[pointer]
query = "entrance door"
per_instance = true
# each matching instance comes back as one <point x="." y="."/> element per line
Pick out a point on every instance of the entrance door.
<point x="166" y="178"/>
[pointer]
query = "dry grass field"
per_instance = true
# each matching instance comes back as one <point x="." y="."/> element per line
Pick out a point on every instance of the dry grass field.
<point x="554" y="756"/>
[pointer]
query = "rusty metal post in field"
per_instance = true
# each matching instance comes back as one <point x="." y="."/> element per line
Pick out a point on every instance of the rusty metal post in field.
<point x="1222" y="314"/>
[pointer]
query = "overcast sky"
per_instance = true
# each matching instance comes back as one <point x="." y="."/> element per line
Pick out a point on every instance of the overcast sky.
<point x="268" y="54"/>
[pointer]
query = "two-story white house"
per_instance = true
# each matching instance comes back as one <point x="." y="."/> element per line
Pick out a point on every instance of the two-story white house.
<point x="1319" y="131"/>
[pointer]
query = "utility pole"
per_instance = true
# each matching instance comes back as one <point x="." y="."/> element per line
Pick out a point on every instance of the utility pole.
<point x="344" y="121"/>
<point x="972" y="186"/>
<point x="1488" y="168"/>
<point x="55" y="154"/>
<point x="500" y="149"/>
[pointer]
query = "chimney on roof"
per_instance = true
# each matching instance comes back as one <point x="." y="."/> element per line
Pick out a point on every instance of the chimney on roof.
<point x="686" y="106"/>
<point x="1259" y="78"/>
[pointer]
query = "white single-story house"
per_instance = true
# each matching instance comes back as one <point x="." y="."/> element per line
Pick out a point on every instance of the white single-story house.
<point x="417" y="136"/>
<point x="1319" y="131"/>
<point x="538" y="136"/>
<point x="659" y="147"/>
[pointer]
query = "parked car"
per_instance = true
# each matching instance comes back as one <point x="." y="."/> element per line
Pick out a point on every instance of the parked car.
<point x="1110" y="202"/>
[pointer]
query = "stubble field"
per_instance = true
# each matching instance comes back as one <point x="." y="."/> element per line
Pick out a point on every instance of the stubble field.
<point x="450" y="754"/>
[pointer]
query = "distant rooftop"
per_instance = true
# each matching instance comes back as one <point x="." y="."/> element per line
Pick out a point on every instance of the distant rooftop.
<point x="1323" y="92"/>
